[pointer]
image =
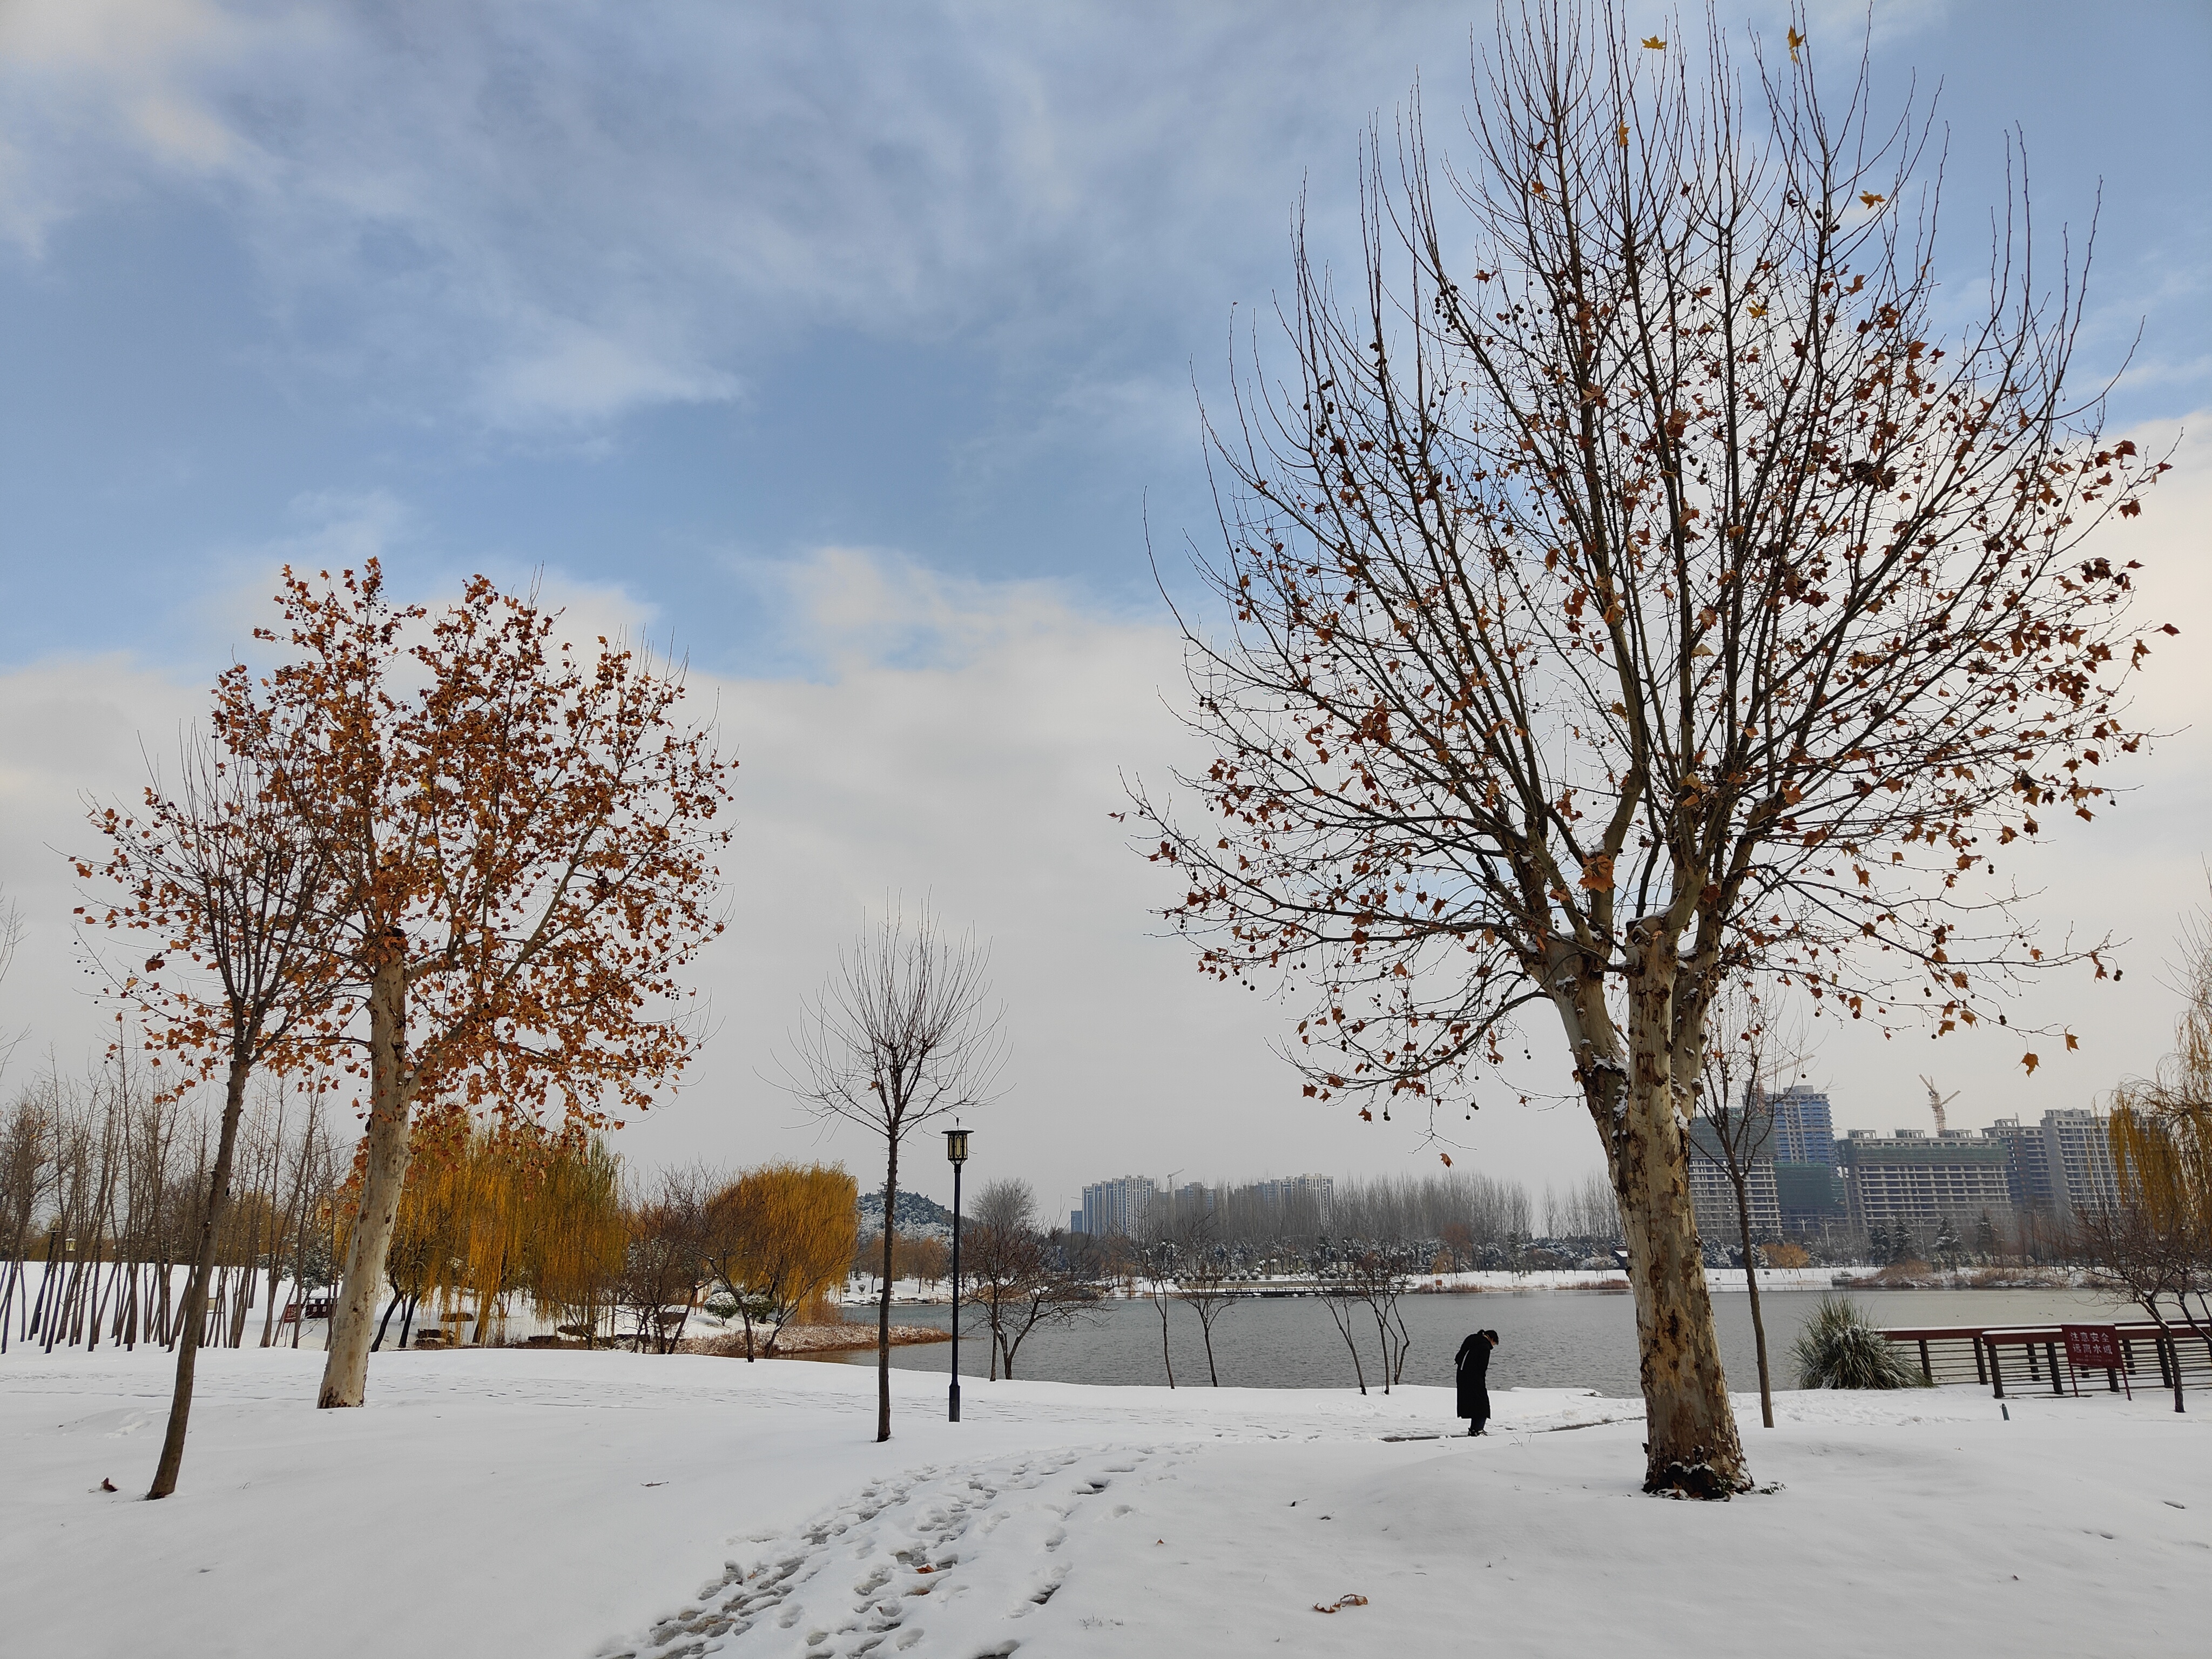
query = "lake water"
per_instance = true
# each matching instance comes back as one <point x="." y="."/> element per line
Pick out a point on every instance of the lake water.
<point x="1548" y="1339"/>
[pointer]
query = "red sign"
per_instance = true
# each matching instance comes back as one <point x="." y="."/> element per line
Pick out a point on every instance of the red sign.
<point x="2092" y="1347"/>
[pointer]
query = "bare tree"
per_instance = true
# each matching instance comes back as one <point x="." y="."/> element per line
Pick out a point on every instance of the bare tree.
<point x="1159" y="1259"/>
<point x="221" y="878"/>
<point x="1341" y="1294"/>
<point x="1742" y="1056"/>
<point x="1020" y="1279"/>
<point x="1629" y="583"/>
<point x="667" y="1260"/>
<point x="1202" y="1282"/>
<point x="2146" y="1254"/>
<point x="11" y="939"/>
<point x="899" y="1037"/>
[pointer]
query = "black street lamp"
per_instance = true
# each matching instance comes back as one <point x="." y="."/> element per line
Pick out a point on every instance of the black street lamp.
<point x="956" y="1149"/>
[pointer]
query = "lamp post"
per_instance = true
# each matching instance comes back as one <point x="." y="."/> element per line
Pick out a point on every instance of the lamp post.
<point x="956" y="1149"/>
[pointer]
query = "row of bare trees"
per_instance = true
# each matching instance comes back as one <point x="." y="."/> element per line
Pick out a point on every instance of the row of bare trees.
<point x="103" y="1200"/>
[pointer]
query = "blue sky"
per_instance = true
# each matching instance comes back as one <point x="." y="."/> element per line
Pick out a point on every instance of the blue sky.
<point x="822" y="342"/>
<point x="656" y="295"/>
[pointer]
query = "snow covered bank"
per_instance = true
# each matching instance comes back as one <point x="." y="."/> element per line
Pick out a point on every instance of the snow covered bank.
<point x="558" y="1503"/>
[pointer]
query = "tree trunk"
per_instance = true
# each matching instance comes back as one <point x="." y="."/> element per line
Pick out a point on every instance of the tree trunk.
<point x="392" y="1092"/>
<point x="1160" y="1301"/>
<point x="195" y="1308"/>
<point x="1742" y="1183"/>
<point x="883" y="1299"/>
<point x="1691" y="1448"/>
<point x="385" y="1324"/>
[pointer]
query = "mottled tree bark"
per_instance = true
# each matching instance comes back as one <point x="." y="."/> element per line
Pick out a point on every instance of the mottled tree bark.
<point x="392" y="1093"/>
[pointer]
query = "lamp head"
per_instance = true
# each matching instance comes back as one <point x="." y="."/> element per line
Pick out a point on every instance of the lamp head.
<point x="956" y="1145"/>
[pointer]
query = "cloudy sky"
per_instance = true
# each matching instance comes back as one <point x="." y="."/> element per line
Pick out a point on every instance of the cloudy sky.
<point x="852" y="350"/>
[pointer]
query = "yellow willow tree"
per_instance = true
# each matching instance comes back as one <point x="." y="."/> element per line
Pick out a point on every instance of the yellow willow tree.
<point x="574" y="1244"/>
<point x="236" y="905"/>
<point x="524" y="841"/>
<point x="1635" y="578"/>
<point x="778" y="1238"/>
<point x="2155" y="1243"/>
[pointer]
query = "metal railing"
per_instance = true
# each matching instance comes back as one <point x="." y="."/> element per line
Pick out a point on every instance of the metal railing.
<point x="2033" y="1357"/>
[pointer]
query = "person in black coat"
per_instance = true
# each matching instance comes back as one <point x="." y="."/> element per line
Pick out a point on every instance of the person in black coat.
<point x="1471" y="1367"/>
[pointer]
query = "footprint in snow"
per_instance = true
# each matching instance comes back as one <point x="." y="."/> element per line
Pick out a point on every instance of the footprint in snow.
<point x="943" y="1554"/>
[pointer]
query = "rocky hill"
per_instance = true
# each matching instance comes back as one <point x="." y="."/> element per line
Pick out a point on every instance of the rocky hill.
<point x="917" y="1217"/>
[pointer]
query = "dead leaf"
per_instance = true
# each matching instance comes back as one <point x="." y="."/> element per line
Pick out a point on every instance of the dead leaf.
<point x="2031" y="1062"/>
<point x="1871" y="199"/>
<point x="1795" y="41"/>
<point x="1341" y="1601"/>
<point x="1653" y="43"/>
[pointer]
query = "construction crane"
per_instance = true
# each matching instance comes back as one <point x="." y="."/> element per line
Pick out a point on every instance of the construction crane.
<point x="1936" y="1103"/>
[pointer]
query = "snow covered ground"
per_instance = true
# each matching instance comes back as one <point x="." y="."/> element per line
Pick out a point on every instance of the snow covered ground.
<point x="544" y="1503"/>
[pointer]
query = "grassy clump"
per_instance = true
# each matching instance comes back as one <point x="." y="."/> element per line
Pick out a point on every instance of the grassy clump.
<point x="1841" y="1348"/>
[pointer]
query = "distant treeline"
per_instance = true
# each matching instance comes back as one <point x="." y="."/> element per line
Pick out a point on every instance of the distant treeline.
<point x="1462" y="1212"/>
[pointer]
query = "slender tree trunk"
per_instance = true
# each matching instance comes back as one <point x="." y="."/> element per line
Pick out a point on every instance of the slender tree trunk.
<point x="883" y="1299"/>
<point x="1159" y="1303"/>
<point x="195" y="1308"/>
<point x="385" y="1324"/>
<point x="392" y="1091"/>
<point x="1341" y="1313"/>
<point x="1742" y="1183"/>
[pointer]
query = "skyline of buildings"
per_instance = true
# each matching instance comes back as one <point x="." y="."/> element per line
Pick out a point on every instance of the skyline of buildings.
<point x="1803" y="1179"/>
<point x="1961" y="1178"/>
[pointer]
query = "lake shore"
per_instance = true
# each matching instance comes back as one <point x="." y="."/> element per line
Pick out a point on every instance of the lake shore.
<point x="801" y="1340"/>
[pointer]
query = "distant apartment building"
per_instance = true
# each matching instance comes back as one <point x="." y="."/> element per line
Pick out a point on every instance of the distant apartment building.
<point x="1321" y="1189"/>
<point x="1925" y="1181"/>
<point x="1808" y="1192"/>
<point x="1811" y="1197"/>
<point x="2058" y="1168"/>
<point x="1804" y="1126"/>
<point x="1713" y="1194"/>
<point x="1119" y="1206"/>
<point x="1194" y="1198"/>
<point x="1294" y="1205"/>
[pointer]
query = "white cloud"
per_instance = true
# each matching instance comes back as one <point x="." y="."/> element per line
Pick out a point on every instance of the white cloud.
<point x="964" y="741"/>
<point x="966" y="747"/>
<point x="554" y="212"/>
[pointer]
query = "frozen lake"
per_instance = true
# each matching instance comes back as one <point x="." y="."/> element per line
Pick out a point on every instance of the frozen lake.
<point x="1548" y="1339"/>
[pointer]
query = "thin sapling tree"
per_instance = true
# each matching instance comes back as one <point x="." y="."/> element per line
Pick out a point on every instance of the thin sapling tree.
<point x="900" y="1037"/>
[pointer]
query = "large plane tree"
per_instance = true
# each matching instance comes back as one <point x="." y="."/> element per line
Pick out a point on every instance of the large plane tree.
<point x="520" y="839"/>
<point x="1642" y="573"/>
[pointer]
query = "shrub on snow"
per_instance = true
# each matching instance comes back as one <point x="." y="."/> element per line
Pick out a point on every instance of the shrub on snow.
<point x="1841" y="1348"/>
